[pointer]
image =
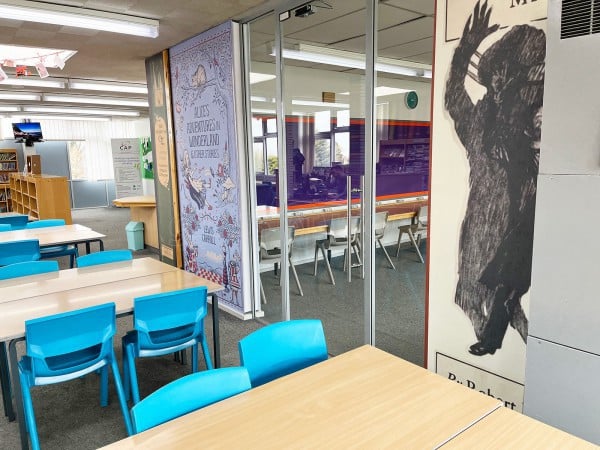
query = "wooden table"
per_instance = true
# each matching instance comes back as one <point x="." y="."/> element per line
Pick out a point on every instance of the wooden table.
<point x="59" y="235"/>
<point x="365" y="399"/>
<point x="504" y="429"/>
<point x="35" y="296"/>
<point x="315" y="221"/>
<point x="142" y="208"/>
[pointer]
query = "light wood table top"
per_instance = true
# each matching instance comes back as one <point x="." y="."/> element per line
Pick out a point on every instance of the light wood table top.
<point x="147" y="201"/>
<point x="365" y="398"/>
<point x="65" y="234"/>
<point x="91" y="291"/>
<point x="507" y="429"/>
<point x="50" y="283"/>
<point x="401" y="216"/>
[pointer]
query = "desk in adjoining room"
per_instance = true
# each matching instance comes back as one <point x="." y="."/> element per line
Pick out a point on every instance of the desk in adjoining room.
<point x="142" y="209"/>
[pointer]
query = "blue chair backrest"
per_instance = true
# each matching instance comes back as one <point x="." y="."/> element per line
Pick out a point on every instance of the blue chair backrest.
<point x="19" y="251"/>
<point x="282" y="348"/>
<point x="16" y="222"/>
<point x="23" y="269"/>
<point x="188" y="394"/>
<point x="169" y="318"/>
<point x="71" y="341"/>
<point x="104" y="257"/>
<point x="45" y="223"/>
<point x="5" y="227"/>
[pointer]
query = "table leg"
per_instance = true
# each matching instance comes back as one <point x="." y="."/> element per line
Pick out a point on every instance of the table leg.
<point x="5" y="381"/>
<point x="215" y="322"/>
<point x="87" y="248"/>
<point x="14" y="371"/>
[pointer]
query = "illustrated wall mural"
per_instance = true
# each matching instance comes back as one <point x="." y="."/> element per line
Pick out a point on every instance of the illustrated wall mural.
<point x="208" y="164"/>
<point x="486" y="143"/>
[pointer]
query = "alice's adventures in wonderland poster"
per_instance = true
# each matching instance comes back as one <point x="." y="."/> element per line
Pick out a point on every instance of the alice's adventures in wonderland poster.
<point x="208" y="168"/>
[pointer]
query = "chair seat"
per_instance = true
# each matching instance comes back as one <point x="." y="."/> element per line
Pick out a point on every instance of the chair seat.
<point x="131" y="338"/>
<point x="60" y="250"/>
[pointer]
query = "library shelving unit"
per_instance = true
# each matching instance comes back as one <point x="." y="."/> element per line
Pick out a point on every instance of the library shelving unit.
<point x="8" y="165"/>
<point x="41" y="196"/>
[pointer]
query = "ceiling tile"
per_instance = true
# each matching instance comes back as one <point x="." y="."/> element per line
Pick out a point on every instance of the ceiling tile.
<point x="420" y="6"/>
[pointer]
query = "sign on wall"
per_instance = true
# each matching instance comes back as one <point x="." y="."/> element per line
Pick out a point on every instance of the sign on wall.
<point x="209" y="166"/>
<point x="485" y="150"/>
<point x="127" y="167"/>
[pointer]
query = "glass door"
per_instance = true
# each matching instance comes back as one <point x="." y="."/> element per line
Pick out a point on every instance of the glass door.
<point x="341" y="165"/>
<point x="402" y="130"/>
<point x="323" y="93"/>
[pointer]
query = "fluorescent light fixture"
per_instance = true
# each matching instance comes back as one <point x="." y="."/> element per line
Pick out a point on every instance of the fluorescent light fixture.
<point x="380" y="91"/>
<point x="53" y="117"/>
<point x="34" y="82"/>
<point x="262" y="99"/>
<point x="30" y="56"/>
<point x="90" y="85"/>
<point x="90" y="111"/>
<point x="96" y="100"/>
<point x="19" y="96"/>
<point x="256" y="77"/>
<point x="352" y="60"/>
<point x="9" y="108"/>
<point x="30" y="11"/>
<point x="262" y="111"/>
<point x="320" y="104"/>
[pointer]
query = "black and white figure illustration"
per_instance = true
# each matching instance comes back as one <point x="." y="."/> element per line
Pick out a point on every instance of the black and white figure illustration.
<point x="500" y="134"/>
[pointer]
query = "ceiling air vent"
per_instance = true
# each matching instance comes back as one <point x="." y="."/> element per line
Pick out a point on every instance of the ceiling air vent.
<point x="596" y="17"/>
<point x="579" y="18"/>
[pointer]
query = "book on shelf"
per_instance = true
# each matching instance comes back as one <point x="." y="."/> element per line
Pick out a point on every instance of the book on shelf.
<point x="8" y="156"/>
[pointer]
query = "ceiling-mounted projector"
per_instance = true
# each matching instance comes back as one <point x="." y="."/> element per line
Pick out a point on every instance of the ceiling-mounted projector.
<point x="304" y="11"/>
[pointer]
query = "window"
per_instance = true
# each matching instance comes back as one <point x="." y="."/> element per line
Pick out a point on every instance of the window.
<point x="264" y="133"/>
<point x="332" y="138"/>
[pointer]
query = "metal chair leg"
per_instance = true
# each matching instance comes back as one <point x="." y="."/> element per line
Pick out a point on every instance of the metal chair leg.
<point x="296" y="278"/>
<point x="327" y="264"/>
<point x="386" y="254"/>
<point x="262" y="293"/>
<point x="414" y="243"/>
<point x="398" y="246"/>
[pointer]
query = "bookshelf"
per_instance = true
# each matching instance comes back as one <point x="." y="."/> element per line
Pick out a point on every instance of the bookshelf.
<point x="8" y="165"/>
<point x="41" y="196"/>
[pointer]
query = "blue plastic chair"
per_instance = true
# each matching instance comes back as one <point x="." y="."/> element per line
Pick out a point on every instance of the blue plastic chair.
<point x="5" y="227"/>
<point x="16" y="222"/>
<point x="23" y="269"/>
<point x="282" y="348"/>
<point x="66" y="346"/>
<point x="43" y="223"/>
<point x="104" y="257"/>
<point x="188" y="394"/>
<point x="55" y="251"/>
<point x="165" y="323"/>
<point x="19" y="251"/>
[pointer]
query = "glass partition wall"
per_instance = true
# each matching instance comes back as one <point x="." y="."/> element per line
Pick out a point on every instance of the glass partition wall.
<point x="338" y="172"/>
